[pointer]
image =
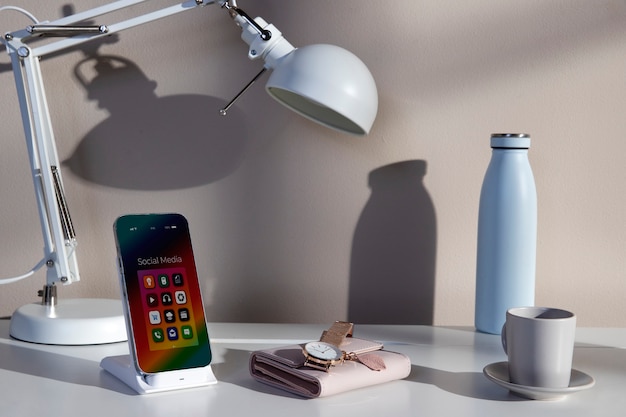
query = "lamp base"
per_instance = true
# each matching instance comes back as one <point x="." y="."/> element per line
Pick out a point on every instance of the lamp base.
<point x="121" y="368"/>
<point x="84" y="321"/>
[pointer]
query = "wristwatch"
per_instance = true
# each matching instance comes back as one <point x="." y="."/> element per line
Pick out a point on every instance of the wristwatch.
<point x="326" y="352"/>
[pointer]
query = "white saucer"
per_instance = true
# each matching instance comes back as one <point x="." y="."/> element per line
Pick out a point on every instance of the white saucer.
<point x="499" y="373"/>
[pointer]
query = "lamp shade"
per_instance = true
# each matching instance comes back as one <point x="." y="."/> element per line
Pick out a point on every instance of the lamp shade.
<point x="326" y="84"/>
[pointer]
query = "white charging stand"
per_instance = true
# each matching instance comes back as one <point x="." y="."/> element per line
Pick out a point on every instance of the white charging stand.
<point x="121" y="368"/>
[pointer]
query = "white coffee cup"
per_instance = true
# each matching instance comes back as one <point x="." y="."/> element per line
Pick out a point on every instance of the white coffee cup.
<point x="539" y="342"/>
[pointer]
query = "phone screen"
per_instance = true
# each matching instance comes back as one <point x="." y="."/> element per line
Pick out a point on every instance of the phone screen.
<point x="163" y="303"/>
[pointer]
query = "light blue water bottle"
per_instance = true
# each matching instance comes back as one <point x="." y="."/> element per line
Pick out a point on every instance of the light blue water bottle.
<point x="507" y="233"/>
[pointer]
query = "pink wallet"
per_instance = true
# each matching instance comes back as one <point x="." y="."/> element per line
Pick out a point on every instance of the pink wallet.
<point x="283" y="368"/>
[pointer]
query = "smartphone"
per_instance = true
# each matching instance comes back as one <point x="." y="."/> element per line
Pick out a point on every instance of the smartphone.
<point x="161" y="293"/>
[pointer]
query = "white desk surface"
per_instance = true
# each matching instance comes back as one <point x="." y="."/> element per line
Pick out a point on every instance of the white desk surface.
<point x="446" y="379"/>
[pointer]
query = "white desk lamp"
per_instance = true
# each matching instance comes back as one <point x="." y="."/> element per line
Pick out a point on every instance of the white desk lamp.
<point x="324" y="83"/>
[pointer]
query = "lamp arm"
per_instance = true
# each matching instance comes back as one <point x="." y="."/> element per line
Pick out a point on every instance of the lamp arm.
<point x="20" y="36"/>
<point x="57" y="229"/>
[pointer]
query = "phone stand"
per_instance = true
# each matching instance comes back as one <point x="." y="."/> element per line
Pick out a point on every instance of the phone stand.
<point x="121" y="368"/>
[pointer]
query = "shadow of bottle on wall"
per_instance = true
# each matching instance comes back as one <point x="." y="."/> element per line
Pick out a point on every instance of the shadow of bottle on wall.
<point x="150" y="142"/>
<point x="392" y="270"/>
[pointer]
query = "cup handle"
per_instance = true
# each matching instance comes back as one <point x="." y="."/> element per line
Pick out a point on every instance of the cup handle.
<point x="503" y="336"/>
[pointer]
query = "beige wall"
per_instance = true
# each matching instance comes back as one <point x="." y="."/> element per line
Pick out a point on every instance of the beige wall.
<point x="282" y="226"/>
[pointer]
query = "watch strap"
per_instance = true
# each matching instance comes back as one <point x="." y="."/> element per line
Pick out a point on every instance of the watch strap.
<point x="337" y="333"/>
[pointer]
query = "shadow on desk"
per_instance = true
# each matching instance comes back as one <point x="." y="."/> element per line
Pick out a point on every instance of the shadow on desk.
<point x="467" y="384"/>
<point x="69" y="369"/>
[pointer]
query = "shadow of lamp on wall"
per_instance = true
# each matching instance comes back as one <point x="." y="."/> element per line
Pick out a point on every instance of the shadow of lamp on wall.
<point x="324" y="83"/>
<point x="150" y="142"/>
<point x="392" y="270"/>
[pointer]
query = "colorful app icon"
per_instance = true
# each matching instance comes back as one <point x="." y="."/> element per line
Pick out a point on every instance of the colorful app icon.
<point x="172" y="333"/>
<point x="166" y="299"/>
<point x="164" y="281"/>
<point x="155" y="317"/>
<point x="148" y="281"/>
<point x="157" y="335"/>
<point x="186" y="332"/>
<point x="181" y="297"/>
<point x="169" y="316"/>
<point x="177" y="279"/>
<point x="183" y="314"/>
<point x="152" y="300"/>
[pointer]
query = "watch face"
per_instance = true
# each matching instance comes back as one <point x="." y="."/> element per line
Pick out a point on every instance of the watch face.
<point x="324" y="351"/>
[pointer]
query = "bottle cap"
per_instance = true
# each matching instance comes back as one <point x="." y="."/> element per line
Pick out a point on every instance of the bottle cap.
<point x="510" y="140"/>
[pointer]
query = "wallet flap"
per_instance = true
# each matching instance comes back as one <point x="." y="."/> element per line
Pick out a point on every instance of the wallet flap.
<point x="356" y="345"/>
<point x="290" y="356"/>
